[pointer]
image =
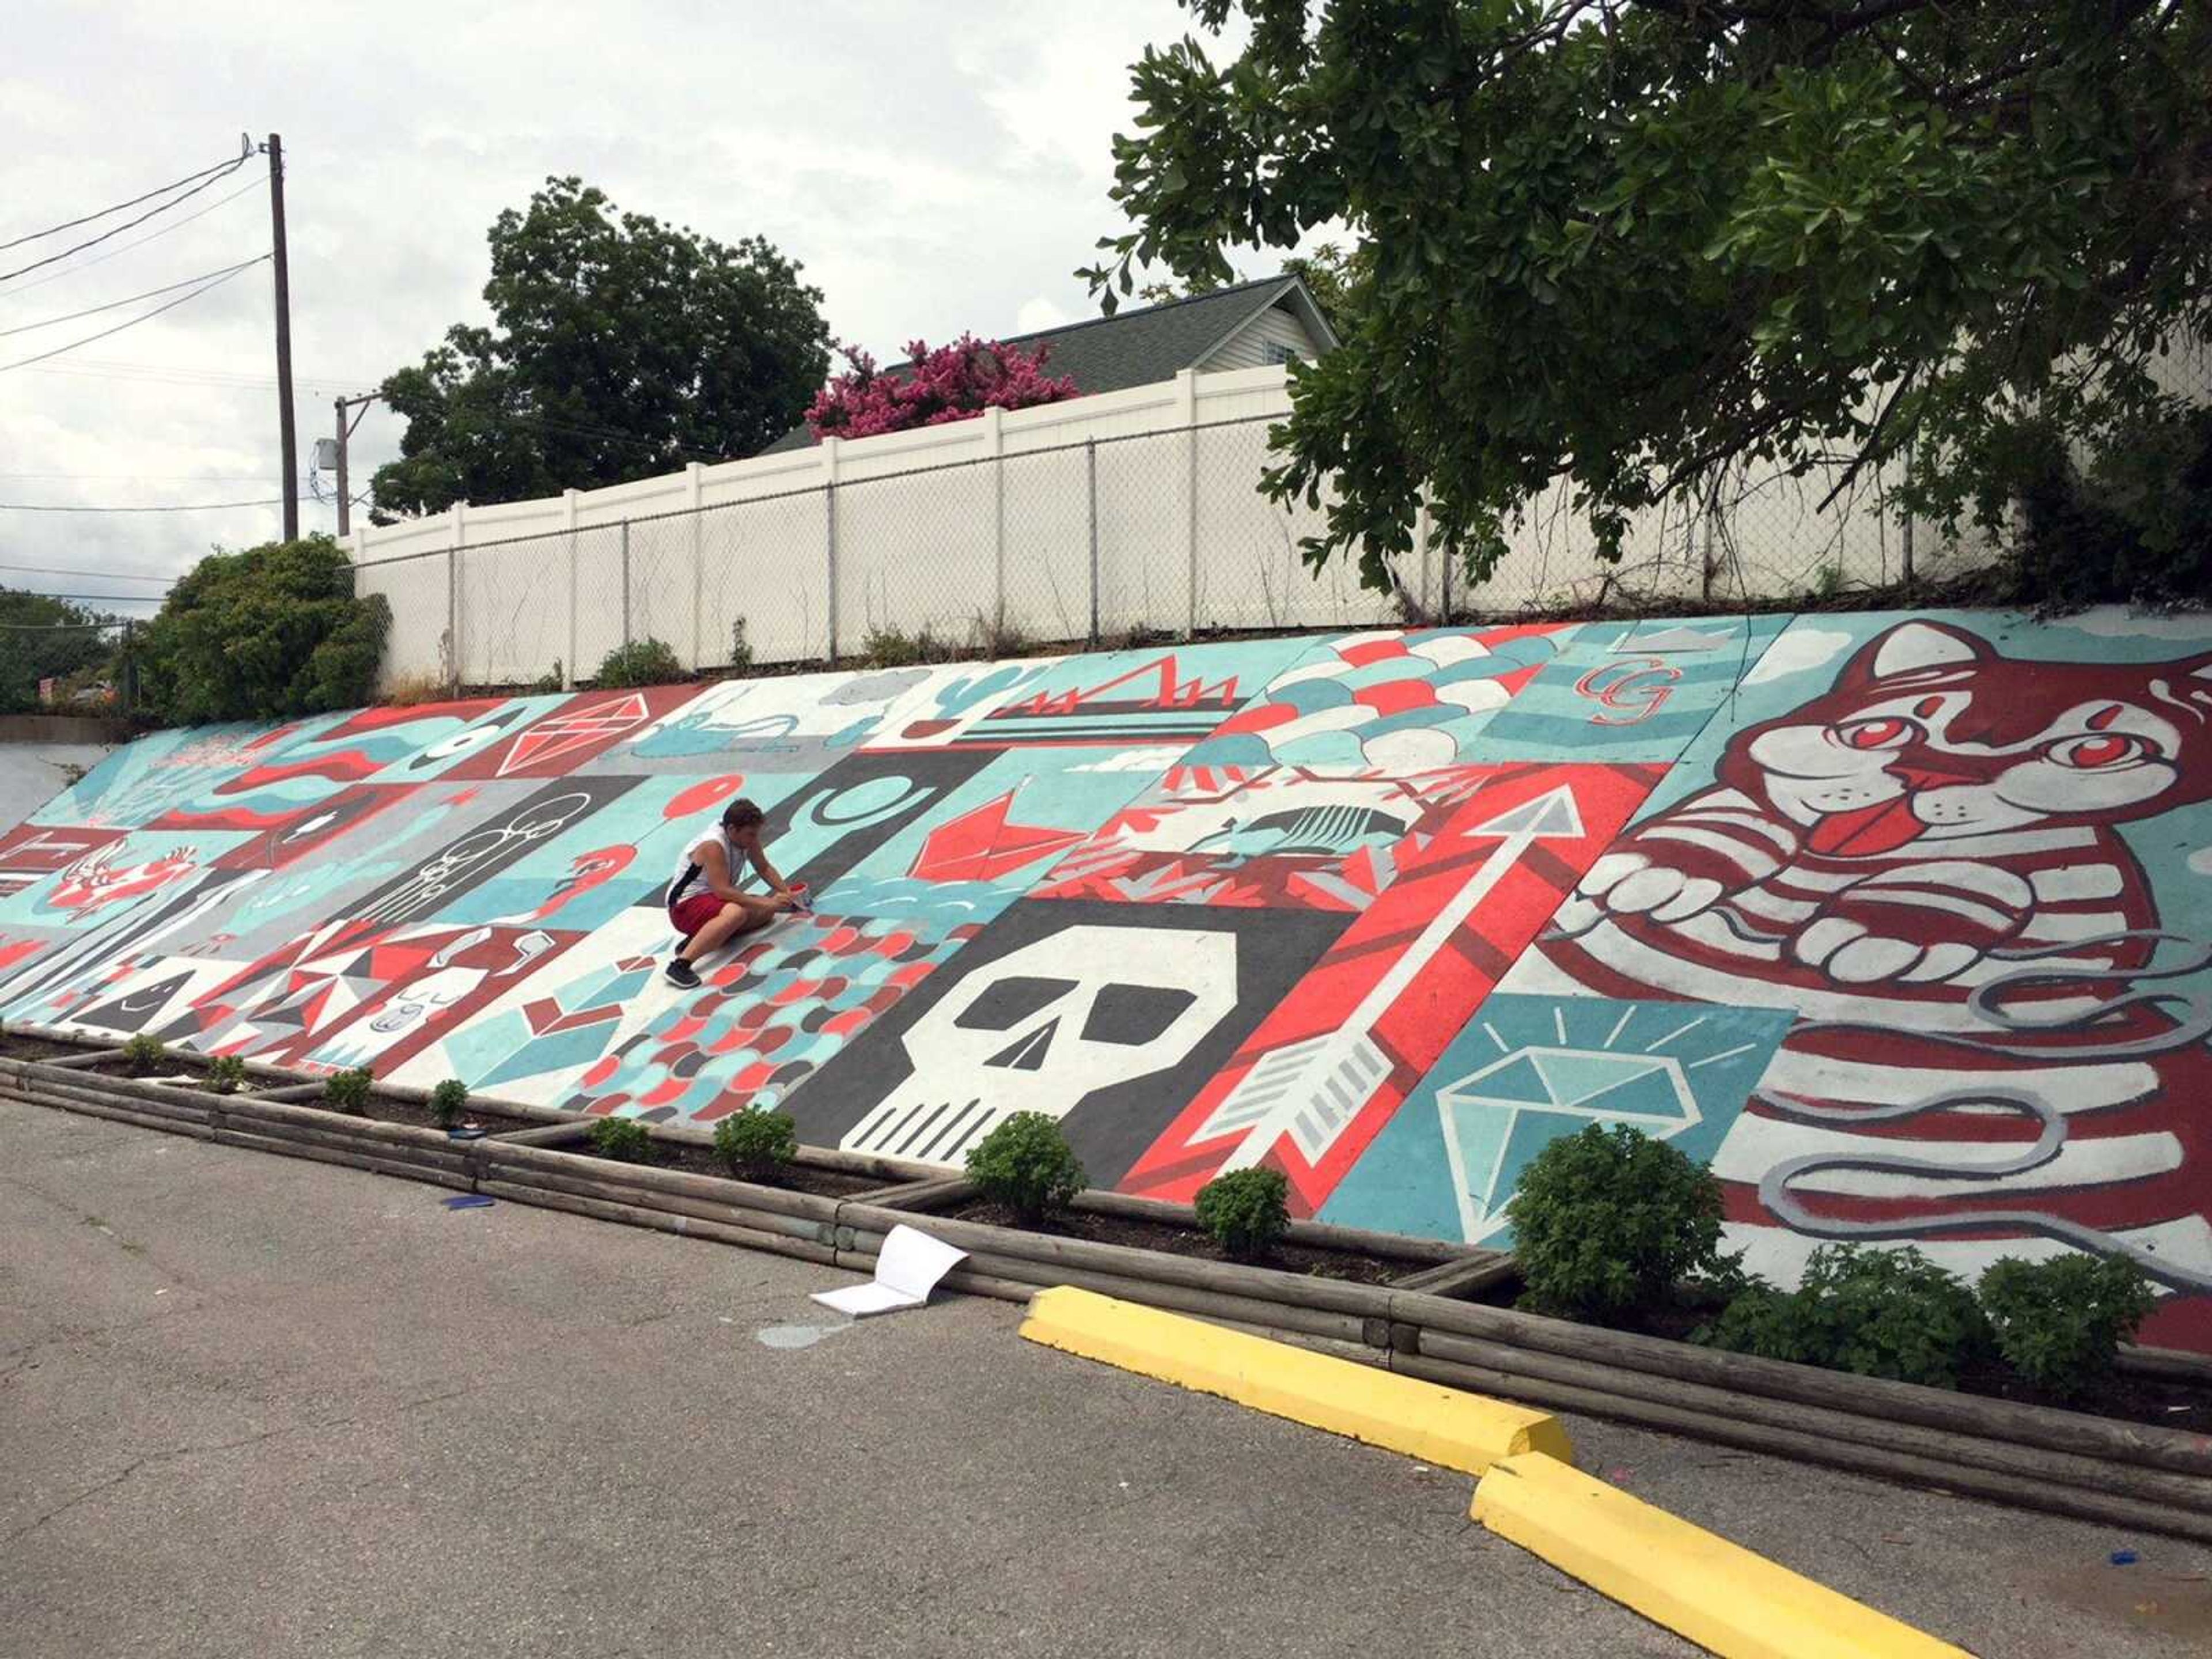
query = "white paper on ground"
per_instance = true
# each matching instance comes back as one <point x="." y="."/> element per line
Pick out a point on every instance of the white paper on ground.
<point x="907" y="1268"/>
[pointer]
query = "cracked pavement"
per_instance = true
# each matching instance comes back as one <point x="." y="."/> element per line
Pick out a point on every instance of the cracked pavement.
<point x="259" y="1406"/>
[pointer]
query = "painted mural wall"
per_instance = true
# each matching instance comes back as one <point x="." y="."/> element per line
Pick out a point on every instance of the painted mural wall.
<point x="1898" y="921"/>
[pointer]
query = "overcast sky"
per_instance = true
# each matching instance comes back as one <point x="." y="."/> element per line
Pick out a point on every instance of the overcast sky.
<point x="934" y="168"/>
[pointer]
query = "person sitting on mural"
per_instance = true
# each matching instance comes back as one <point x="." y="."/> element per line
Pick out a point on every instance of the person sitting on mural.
<point x="704" y="904"/>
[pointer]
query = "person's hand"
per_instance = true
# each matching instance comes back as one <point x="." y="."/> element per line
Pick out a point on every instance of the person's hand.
<point x="784" y="902"/>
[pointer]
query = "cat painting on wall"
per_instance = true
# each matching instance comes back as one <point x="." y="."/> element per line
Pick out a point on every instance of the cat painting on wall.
<point x="1924" y="862"/>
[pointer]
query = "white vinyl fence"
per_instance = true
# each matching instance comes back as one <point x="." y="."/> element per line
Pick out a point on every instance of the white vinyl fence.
<point x="1130" y="513"/>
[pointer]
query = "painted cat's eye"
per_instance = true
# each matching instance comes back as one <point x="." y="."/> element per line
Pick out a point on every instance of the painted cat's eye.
<point x="1887" y="733"/>
<point x="2098" y="753"/>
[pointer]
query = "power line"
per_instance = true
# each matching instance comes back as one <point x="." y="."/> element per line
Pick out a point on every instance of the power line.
<point x="72" y="224"/>
<point x="188" y="507"/>
<point x="127" y="224"/>
<point x="143" y="316"/>
<point x="182" y="375"/>
<point x="145" y="477"/>
<point x="64" y="570"/>
<point x="152" y="236"/>
<point x="170" y="287"/>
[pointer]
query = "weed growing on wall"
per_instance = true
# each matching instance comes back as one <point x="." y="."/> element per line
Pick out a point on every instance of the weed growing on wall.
<point x="642" y="662"/>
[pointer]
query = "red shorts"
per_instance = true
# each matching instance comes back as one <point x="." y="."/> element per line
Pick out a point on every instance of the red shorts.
<point x="694" y="911"/>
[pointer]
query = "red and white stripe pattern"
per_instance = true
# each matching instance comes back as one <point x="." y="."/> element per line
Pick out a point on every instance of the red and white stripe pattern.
<point x="2138" y="1141"/>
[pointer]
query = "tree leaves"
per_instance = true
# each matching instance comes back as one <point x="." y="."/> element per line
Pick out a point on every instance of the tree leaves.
<point x="622" y="349"/>
<point x="1623" y="247"/>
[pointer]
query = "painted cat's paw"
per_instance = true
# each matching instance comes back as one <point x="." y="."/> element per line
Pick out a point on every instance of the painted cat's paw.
<point x="1850" y="953"/>
<point x="1632" y="885"/>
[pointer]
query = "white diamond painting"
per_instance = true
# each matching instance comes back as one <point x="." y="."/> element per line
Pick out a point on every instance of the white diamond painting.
<point x="1667" y="1068"/>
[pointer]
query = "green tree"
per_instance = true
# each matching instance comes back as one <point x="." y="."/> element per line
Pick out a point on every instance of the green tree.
<point x="1631" y="244"/>
<point x="261" y="633"/>
<point x="42" y="637"/>
<point x="620" y="348"/>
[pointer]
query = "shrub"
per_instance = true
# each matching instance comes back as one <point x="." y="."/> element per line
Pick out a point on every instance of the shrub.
<point x="642" y="662"/>
<point x="550" y="680"/>
<point x="267" y="631"/>
<point x="756" y="1142"/>
<point x="1609" y="1220"/>
<point x="622" y="1139"/>
<point x="226" y="1075"/>
<point x="1026" y="1165"/>
<point x="1877" y="1312"/>
<point x="144" y="1054"/>
<point x="1246" y="1209"/>
<point x="2060" y="1323"/>
<point x="741" y="649"/>
<point x="447" y="1101"/>
<point x="348" y="1091"/>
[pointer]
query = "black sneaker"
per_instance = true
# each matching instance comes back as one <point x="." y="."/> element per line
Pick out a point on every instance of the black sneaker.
<point x="681" y="973"/>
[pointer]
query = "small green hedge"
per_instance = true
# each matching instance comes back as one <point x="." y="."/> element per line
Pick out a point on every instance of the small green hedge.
<point x="756" y="1143"/>
<point x="2059" y="1323"/>
<point x="1026" y="1165"/>
<point x="1247" y="1211"/>
<point x="1873" y="1311"/>
<point x="1609" y="1220"/>
<point x="624" y="1139"/>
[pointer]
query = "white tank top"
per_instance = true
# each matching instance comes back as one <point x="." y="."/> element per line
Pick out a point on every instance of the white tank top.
<point x="688" y="869"/>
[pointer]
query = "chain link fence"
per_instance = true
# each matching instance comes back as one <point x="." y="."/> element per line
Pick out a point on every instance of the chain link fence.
<point x="1155" y="534"/>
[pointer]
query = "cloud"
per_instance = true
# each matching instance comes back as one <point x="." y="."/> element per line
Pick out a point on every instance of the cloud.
<point x="1036" y="314"/>
<point x="1798" y="648"/>
<point x="934" y="170"/>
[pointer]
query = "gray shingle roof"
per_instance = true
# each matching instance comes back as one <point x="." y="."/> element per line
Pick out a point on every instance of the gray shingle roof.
<point x="1132" y="347"/>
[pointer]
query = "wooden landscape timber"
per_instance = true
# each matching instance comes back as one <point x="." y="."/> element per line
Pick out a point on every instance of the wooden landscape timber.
<point x="2103" y="1470"/>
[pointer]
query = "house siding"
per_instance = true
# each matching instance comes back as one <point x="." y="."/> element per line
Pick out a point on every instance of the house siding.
<point x="1246" y="346"/>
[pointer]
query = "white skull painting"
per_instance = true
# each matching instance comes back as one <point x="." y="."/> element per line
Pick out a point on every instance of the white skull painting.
<point x="1043" y="1026"/>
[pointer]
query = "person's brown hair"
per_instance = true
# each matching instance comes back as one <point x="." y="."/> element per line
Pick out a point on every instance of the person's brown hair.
<point x="742" y="814"/>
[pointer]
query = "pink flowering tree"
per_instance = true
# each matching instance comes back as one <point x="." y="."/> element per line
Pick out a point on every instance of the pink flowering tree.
<point x="953" y="382"/>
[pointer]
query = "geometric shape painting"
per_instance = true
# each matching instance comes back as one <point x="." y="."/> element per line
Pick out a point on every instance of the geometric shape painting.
<point x="1897" y="923"/>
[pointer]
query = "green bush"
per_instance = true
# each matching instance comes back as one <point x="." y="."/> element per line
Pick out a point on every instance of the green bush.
<point x="894" y="647"/>
<point x="226" y="1075"/>
<point x="1608" y="1220"/>
<point x="265" y="632"/>
<point x="2060" y="1323"/>
<point x="348" y="1091"/>
<point x="1246" y="1209"/>
<point x="144" y="1054"/>
<point x="757" y="1142"/>
<point x="741" y="649"/>
<point x="622" y="1139"/>
<point x="642" y="662"/>
<point x="447" y="1101"/>
<point x="1878" y="1312"/>
<point x="1026" y="1165"/>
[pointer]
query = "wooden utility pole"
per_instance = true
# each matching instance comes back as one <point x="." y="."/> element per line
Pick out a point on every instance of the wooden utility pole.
<point x="345" y="485"/>
<point x="275" y="149"/>
<point x="345" y="435"/>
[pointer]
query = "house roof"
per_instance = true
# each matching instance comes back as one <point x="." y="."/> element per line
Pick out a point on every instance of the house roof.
<point x="1152" y="343"/>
